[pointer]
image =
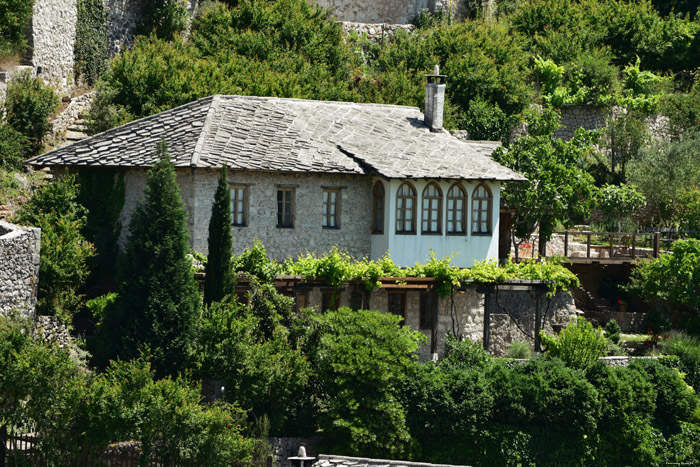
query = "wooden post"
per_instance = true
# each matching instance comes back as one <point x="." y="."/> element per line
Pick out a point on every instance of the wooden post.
<point x="634" y="245"/>
<point x="610" y="237"/>
<point x="268" y="461"/>
<point x="588" y="245"/>
<point x="435" y="307"/>
<point x="566" y="243"/>
<point x="656" y="244"/>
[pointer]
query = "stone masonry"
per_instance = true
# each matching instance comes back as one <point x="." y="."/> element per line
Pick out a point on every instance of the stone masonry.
<point x="197" y="189"/>
<point x="53" y="37"/>
<point x="19" y="268"/>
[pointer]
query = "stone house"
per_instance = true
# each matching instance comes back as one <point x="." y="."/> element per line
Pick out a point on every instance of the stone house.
<point x="306" y="175"/>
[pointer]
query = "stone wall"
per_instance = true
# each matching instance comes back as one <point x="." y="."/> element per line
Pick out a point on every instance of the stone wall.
<point x="375" y="31"/>
<point x="381" y="11"/>
<point x="513" y="317"/>
<point x="325" y="460"/>
<point x="53" y="36"/>
<point x="76" y="108"/>
<point x="197" y="188"/>
<point x="589" y="117"/>
<point x="19" y="268"/>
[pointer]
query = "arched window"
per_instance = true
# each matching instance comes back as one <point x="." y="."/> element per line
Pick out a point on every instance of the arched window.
<point x="405" y="209"/>
<point x="456" y="210"/>
<point x="432" y="209"/>
<point x="378" y="208"/>
<point x="481" y="210"/>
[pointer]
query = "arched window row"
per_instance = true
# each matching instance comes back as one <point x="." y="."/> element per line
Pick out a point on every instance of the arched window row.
<point x="455" y="206"/>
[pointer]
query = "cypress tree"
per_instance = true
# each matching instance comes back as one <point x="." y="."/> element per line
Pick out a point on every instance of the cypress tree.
<point x="159" y="302"/>
<point x="219" y="281"/>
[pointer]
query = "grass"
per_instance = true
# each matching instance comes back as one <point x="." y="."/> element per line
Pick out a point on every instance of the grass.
<point x="16" y="187"/>
<point x="634" y="337"/>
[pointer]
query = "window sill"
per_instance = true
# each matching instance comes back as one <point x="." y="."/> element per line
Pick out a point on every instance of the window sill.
<point x="286" y="227"/>
<point x="330" y="228"/>
<point x="377" y="232"/>
<point x="432" y="233"/>
<point x="478" y="234"/>
<point x="406" y="233"/>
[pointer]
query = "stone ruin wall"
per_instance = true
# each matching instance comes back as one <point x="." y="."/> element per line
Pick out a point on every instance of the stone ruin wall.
<point x="52" y="39"/>
<point x="19" y="268"/>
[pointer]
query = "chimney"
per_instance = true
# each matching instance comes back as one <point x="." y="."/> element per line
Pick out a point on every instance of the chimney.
<point x="434" y="100"/>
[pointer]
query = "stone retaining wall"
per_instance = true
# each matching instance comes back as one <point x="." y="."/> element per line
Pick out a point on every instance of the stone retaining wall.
<point x="325" y="460"/>
<point x="19" y="268"/>
<point x="78" y="106"/>
<point x="375" y="32"/>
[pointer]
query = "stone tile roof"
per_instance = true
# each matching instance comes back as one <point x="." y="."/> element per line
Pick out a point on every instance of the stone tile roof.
<point x="290" y="135"/>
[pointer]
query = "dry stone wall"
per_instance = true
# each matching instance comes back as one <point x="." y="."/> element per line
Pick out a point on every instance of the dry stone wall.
<point x="52" y="39"/>
<point x="19" y="268"/>
<point x="375" y="31"/>
<point x="382" y="11"/>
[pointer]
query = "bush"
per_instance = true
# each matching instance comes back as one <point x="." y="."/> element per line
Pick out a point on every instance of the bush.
<point x="612" y="331"/>
<point x="15" y="17"/>
<point x="29" y="105"/>
<point x="579" y="345"/>
<point x="166" y="18"/>
<point x="687" y="349"/>
<point x="519" y="350"/>
<point x="361" y="359"/>
<point x="63" y="266"/>
<point x="13" y="147"/>
<point x="617" y="202"/>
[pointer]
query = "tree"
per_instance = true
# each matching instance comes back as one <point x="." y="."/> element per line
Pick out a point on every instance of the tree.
<point x="63" y="265"/>
<point x="557" y="189"/>
<point x="219" y="281"/>
<point x="361" y="358"/>
<point x="159" y="302"/>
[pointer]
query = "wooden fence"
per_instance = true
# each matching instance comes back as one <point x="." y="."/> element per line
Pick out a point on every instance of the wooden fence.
<point x="612" y="245"/>
<point x="21" y="450"/>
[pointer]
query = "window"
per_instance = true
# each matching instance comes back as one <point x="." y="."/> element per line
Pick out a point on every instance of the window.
<point x="426" y="310"/>
<point x="329" y="300"/>
<point x="432" y="209"/>
<point x="285" y="207"/>
<point x="378" y="208"/>
<point x="397" y="303"/>
<point x="239" y="206"/>
<point x="405" y="209"/>
<point x="331" y="209"/>
<point x="456" y="210"/>
<point x="481" y="210"/>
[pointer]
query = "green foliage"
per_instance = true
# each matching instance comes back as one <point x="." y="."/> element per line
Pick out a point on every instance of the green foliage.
<point x="662" y="171"/>
<point x="219" y="281"/>
<point x="13" y="146"/>
<point x="29" y="104"/>
<point x="687" y="349"/>
<point x="519" y="350"/>
<point x="486" y="121"/>
<point x="683" y="110"/>
<point x="612" y="331"/>
<point x="91" y="48"/>
<point x="361" y="359"/>
<point x="643" y="89"/>
<point x="78" y="414"/>
<point x="102" y="195"/>
<point x="15" y="18"/>
<point x="557" y="189"/>
<point x="63" y="266"/>
<point x="465" y="354"/>
<point x="255" y="262"/>
<point x="166" y="18"/>
<point x="263" y="373"/>
<point x="689" y="209"/>
<point x="159" y="301"/>
<point x="625" y="136"/>
<point x="673" y="277"/>
<point x="617" y="202"/>
<point x="579" y="345"/>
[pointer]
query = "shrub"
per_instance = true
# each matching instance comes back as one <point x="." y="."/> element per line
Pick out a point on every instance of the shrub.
<point x="63" y="266"/>
<point x="486" y="121"/>
<point x="672" y="277"/>
<point x="13" y="146"/>
<point x="15" y="17"/>
<point x="687" y="349"/>
<point x="164" y="17"/>
<point x="579" y="345"/>
<point x="519" y="350"/>
<point x="361" y="358"/>
<point x="612" y="331"/>
<point x="29" y="104"/>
